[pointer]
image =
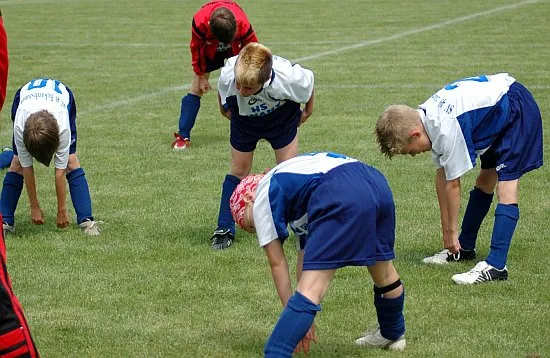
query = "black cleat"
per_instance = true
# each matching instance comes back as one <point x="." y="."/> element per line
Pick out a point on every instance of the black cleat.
<point x="222" y="239"/>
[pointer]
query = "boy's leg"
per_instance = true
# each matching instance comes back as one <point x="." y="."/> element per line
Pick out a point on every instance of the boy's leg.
<point x="190" y="105"/>
<point x="506" y="218"/>
<point x="224" y="235"/>
<point x="287" y="152"/>
<point x="299" y="313"/>
<point x="80" y="195"/>
<point x="11" y="192"/>
<point x="478" y="206"/>
<point x="389" y="299"/>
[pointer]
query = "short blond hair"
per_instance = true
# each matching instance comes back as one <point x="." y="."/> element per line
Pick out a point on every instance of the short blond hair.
<point x="253" y="65"/>
<point x="393" y="128"/>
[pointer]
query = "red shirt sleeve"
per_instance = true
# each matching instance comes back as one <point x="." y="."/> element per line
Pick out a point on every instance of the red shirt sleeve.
<point x="4" y="62"/>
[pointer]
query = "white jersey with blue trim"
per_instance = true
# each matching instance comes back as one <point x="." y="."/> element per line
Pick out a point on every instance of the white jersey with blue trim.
<point x="52" y="96"/>
<point x="464" y="118"/>
<point x="288" y="82"/>
<point x="283" y="194"/>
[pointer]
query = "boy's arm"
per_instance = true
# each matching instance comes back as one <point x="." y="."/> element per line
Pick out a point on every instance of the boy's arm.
<point x="279" y="270"/>
<point x="448" y="195"/>
<point x="61" y="192"/>
<point x="226" y="113"/>
<point x="198" y="46"/>
<point x="308" y="108"/>
<point x="37" y="217"/>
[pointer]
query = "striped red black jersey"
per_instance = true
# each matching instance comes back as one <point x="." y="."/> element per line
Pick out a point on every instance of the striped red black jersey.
<point x="205" y="46"/>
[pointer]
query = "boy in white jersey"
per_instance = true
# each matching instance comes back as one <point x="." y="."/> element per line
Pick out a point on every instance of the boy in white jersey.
<point x="493" y="117"/>
<point x="44" y="127"/>
<point x="261" y="95"/>
<point x="343" y="214"/>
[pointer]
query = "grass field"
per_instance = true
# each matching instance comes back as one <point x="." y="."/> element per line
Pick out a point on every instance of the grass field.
<point x="150" y="286"/>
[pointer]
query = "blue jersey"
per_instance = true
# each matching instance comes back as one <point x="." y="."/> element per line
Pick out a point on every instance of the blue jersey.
<point x="282" y="196"/>
<point x="464" y="119"/>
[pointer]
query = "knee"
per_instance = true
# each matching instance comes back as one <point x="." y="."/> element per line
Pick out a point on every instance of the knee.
<point x="240" y="170"/>
<point x="391" y="290"/>
<point x="73" y="163"/>
<point x="15" y="165"/>
<point x="486" y="181"/>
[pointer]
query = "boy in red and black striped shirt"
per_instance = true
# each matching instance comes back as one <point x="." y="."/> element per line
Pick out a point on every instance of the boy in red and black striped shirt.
<point x="219" y="30"/>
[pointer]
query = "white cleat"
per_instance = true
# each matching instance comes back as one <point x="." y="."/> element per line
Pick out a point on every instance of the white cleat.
<point x="7" y="228"/>
<point x="91" y="227"/>
<point x="445" y="257"/>
<point x="482" y="272"/>
<point x="375" y="339"/>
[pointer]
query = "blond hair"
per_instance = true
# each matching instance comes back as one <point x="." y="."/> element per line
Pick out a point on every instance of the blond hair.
<point x="393" y="128"/>
<point x="41" y="136"/>
<point x="253" y="65"/>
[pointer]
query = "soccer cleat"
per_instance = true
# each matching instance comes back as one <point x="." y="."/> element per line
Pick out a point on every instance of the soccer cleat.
<point x="222" y="239"/>
<point x="482" y="272"/>
<point x="91" y="227"/>
<point x="181" y="143"/>
<point x="375" y="339"/>
<point x="7" y="228"/>
<point x="444" y="257"/>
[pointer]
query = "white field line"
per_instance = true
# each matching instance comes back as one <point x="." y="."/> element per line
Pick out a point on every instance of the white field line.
<point x="417" y="30"/>
<point x="162" y="91"/>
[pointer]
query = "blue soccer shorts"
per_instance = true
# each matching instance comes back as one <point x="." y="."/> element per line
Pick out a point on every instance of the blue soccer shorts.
<point x="351" y="219"/>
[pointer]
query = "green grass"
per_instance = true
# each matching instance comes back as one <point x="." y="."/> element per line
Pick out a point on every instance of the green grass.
<point x="150" y="286"/>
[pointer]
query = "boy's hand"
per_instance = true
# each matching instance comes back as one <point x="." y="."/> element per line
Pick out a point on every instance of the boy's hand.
<point x="37" y="216"/>
<point x="451" y="243"/>
<point x="305" y="343"/>
<point x="62" y="219"/>
<point x="204" y="85"/>
<point x="305" y="115"/>
<point x="227" y="114"/>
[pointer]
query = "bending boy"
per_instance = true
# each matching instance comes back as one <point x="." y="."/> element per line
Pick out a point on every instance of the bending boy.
<point x="343" y="214"/>
<point x="261" y="95"/>
<point x="219" y="30"/>
<point x="493" y="117"/>
<point x="44" y="127"/>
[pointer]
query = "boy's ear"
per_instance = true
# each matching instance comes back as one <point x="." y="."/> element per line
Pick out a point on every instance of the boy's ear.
<point x="249" y="197"/>
<point x="415" y="134"/>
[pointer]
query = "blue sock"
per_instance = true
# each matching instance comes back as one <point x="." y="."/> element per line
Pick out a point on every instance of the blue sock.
<point x="291" y="327"/>
<point x="80" y="195"/>
<point x="190" y="105"/>
<point x="225" y="220"/>
<point x="390" y="315"/>
<point x="506" y="218"/>
<point x="476" y="210"/>
<point x="11" y="191"/>
<point x="5" y="158"/>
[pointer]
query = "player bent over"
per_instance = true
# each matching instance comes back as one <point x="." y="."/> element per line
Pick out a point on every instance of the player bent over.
<point x="493" y="117"/>
<point x="219" y="30"/>
<point x="44" y="127"/>
<point x="343" y="214"/>
<point x="261" y="95"/>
